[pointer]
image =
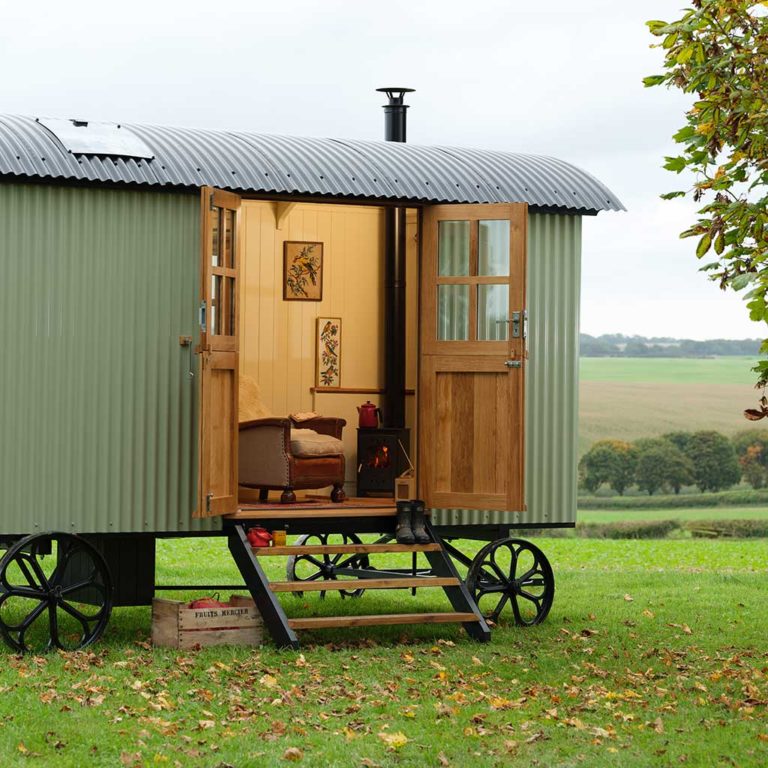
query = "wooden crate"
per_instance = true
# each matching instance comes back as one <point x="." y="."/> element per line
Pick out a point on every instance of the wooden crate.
<point x="174" y="625"/>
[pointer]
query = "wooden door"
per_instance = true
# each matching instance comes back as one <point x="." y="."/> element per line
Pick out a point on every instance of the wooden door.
<point x="219" y="352"/>
<point x="472" y="356"/>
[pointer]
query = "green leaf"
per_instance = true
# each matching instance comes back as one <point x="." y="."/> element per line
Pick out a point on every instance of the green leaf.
<point x="685" y="133"/>
<point x="655" y="26"/>
<point x="672" y="195"/>
<point x="675" y="164"/>
<point x="719" y="243"/>
<point x="703" y="245"/>
<point x="669" y="40"/>
<point x="649" y="82"/>
<point x="741" y="281"/>
<point x="685" y="54"/>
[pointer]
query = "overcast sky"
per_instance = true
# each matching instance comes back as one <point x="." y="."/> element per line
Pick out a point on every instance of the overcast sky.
<point x="564" y="80"/>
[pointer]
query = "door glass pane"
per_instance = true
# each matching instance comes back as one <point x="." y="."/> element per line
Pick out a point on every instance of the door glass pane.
<point x="216" y="296"/>
<point x="229" y="243"/>
<point x="452" y="312"/>
<point x="492" y="312"/>
<point x="493" y="244"/>
<point x="453" y="248"/>
<point x="229" y="317"/>
<point x="216" y="237"/>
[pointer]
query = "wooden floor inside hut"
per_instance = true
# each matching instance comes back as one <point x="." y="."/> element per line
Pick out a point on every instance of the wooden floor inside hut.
<point x="309" y="505"/>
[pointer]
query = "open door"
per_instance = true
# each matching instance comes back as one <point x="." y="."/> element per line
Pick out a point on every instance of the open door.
<point x="219" y="352"/>
<point x="472" y="356"/>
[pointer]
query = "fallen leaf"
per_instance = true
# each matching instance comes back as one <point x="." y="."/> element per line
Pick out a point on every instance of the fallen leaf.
<point x="268" y="681"/>
<point x="294" y="754"/>
<point x="443" y="760"/>
<point x="206" y="724"/>
<point x="477" y="661"/>
<point x="394" y="740"/>
<point x="649" y="614"/>
<point x="629" y="598"/>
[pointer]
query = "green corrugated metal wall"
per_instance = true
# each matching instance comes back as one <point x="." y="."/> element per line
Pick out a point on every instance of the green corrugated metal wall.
<point x="98" y="411"/>
<point x="552" y="378"/>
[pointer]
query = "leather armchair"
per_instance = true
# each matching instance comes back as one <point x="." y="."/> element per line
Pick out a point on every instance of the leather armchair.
<point x="279" y="454"/>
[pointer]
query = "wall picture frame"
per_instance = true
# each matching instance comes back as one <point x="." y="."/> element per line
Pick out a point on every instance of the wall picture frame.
<point x="328" y="365"/>
<point x="302" y="271"/>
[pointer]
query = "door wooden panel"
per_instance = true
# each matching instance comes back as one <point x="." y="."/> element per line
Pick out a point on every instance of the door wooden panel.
<point x="471" y="378"/>
<point x="219" y="352"/>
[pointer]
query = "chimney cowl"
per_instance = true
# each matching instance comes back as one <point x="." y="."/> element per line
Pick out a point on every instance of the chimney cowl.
<point x="395" y="113"/>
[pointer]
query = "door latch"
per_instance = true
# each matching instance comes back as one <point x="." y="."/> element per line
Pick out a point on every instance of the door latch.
<point x="513" y="363"/>
<point x="201" y="316"/>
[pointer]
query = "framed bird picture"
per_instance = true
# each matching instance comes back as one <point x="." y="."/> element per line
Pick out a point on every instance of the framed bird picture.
<point x="302" y="271"/>
<point x="328" y="353"/>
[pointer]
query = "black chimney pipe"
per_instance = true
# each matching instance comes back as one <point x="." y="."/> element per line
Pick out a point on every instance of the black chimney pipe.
<point x="394" y="276"/>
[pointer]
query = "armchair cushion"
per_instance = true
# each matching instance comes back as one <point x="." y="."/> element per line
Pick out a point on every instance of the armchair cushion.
<point x="307" y="443"/>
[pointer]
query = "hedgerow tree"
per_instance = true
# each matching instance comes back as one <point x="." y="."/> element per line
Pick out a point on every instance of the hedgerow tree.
<point x="660" y="463"/>
<point x="608" y="461"/>
<point x="718" y="52"/>
<point x="751" y="447"/>
<point x="715" y="466"/>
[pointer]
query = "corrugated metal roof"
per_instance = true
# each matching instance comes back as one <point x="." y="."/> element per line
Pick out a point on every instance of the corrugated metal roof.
<point x="361" y="170"/>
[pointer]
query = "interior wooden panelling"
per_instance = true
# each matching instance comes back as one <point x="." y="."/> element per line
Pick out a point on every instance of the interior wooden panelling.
<point x="278" y="337"/>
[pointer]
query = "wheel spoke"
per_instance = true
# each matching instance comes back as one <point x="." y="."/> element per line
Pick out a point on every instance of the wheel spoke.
<point x="44" y="583"/>
<point x="496" y="612"/>
<point x="84" y="620"/>
<point x="53" y="621"/>
<point x="310" y="559"/>
<point x="28" y="619"/>
<point x="84" y="584"/>
<point x="28" y="592"/>
<point x="21" y="562"/>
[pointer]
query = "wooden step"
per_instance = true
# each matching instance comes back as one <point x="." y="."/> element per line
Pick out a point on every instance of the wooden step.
<point x="347" y="549"/>
<point x="352" y="584"/>
<point x="328" y="622"/>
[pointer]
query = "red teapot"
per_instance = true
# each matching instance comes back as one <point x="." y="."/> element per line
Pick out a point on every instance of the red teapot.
<point x="369" y="415"/>
<point x="259" y="537"/>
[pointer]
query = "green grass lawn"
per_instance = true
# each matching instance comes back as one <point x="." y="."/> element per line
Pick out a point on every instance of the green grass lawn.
<point x="655" y="654"/>
<point x="628" y="398"/>
<point x="700" y="513"/>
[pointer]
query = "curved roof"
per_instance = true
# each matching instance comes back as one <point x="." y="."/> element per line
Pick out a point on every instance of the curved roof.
<point x="257" y="163"/>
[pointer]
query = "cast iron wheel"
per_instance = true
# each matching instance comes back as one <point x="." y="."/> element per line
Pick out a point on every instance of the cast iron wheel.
<point x="55" y="593"/>
<point x="314" y="567"/>
<point x="512" y="571"/>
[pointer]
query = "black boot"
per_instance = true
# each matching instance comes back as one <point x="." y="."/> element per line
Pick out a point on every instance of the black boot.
<point x="403" y="532"/>
<point x="418" y="520"/>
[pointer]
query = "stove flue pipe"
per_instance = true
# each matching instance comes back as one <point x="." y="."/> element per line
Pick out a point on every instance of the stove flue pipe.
<point x="394" y="276"/>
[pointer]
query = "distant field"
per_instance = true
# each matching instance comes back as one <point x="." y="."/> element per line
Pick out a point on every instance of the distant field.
<point x="718" y="370"/>
<point x="628" y="398"/>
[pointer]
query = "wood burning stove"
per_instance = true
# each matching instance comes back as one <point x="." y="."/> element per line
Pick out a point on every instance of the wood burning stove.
<point x="381" y="457"/>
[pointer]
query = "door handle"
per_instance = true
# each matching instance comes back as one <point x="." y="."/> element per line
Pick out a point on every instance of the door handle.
<point x="516" y="325"/>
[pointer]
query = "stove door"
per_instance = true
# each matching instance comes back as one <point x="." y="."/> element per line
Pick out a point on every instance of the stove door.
<point x="472" y="357"/>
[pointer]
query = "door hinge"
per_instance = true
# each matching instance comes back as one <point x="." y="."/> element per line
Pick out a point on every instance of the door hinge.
<point x="210" y="201"/>
<point x="208" y="500"/>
